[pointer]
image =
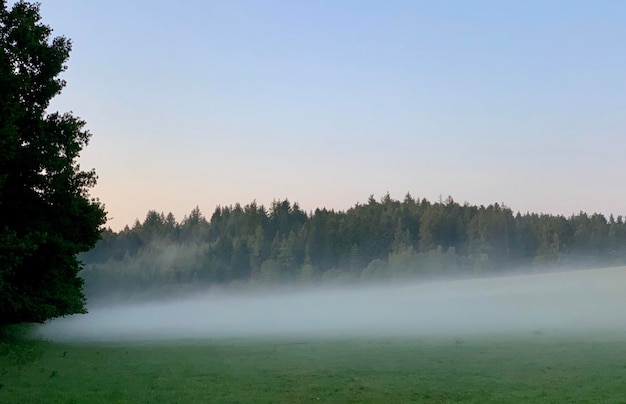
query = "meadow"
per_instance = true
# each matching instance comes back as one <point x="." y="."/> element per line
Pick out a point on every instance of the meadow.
<point x="534" y="367"/>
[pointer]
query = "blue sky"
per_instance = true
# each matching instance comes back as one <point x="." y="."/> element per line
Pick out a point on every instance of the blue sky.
<point x="326" y="102"/>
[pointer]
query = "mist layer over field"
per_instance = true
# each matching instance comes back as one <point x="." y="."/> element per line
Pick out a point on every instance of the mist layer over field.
<point x="590" y="301"/>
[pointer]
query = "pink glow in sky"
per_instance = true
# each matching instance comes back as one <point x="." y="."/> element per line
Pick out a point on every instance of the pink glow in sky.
<point x="206" y="102"/>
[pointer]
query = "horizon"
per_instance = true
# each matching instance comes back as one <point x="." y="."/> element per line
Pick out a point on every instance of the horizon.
<point x="207" y="213"/>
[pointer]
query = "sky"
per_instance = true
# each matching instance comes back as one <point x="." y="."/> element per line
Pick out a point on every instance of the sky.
<point x="206" y="103"/>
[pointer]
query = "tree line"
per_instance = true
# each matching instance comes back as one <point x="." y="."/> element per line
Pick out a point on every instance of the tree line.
<point x="384" y="239"/>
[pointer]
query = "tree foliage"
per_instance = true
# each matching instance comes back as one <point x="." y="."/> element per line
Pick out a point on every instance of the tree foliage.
<point x="386" y="239"/>
<point x="46" y="215"/>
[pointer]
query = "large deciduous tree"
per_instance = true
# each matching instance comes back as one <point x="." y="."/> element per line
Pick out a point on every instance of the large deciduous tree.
<point x="46" y="214"/>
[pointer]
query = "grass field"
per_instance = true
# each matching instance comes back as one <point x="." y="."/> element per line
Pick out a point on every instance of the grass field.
<point x="529" y="368"/>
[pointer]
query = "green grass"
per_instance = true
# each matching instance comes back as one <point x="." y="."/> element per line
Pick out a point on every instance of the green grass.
<point x="533" y="368"/>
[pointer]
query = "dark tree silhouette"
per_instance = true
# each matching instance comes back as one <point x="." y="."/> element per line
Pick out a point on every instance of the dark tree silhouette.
<point x="46" y="215"/>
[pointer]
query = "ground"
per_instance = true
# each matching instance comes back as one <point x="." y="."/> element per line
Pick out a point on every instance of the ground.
<point x="538" y="367"/>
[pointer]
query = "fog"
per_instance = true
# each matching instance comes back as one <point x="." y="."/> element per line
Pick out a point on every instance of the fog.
<point x="590" y="301"/>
